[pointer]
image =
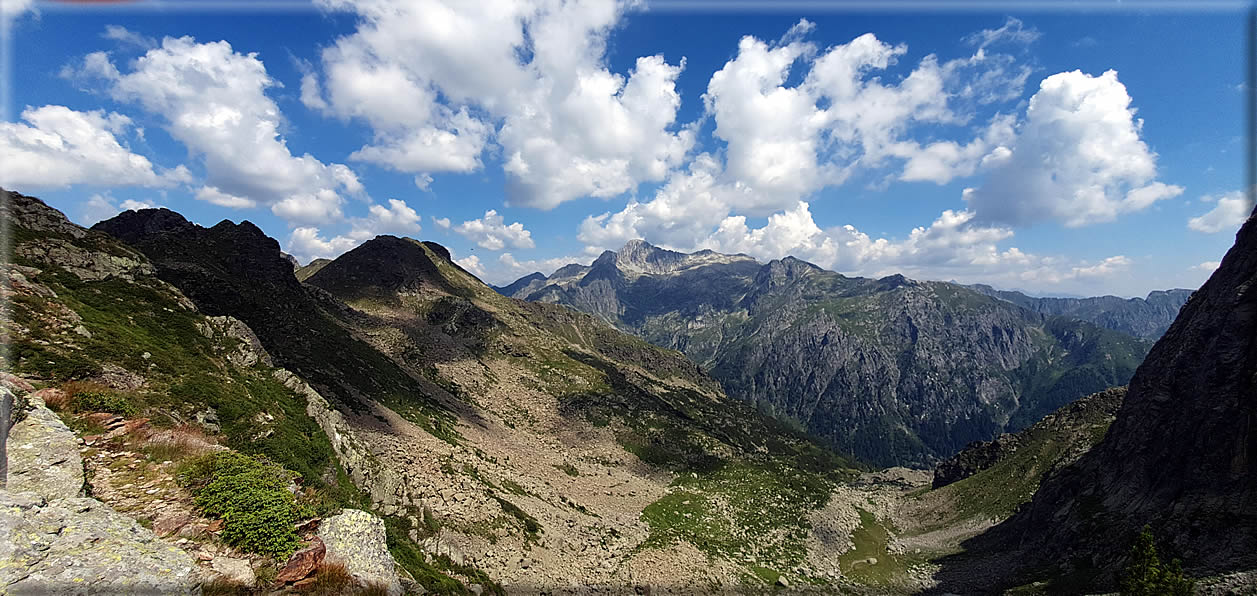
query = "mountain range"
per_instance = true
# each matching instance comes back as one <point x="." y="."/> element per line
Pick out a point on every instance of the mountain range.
<point x="482" y="443"/>
<point x="892" y="370"/>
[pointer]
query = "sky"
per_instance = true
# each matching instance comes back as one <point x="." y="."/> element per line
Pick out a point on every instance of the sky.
<point x="1079" y="149"/>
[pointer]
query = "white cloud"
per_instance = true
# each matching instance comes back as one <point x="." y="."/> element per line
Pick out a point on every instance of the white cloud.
<point x="214" y="100"/>
<point x="126" y="36"/>
<point x="307" y="244"/>
<point x="57" y="147"/>
<point x="1104" y="268"/>
<point x="100" y="207"/>
<point x="491" y="232"/>
<point x="1012" y="31"/>
<point x="1231" y="210"/>
<point x="215" y="196"/>
<point x="10" y="10"/>
<point x="1078" y="158"/>
<point x="437" y="79"/>
<point x="443" y="222"/>
<point x="472" y="264"/>
<point x="1208" y="266"/>
<point x="509" y="268"/>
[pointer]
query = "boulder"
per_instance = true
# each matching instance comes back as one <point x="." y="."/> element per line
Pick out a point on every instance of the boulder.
<point x="234" y="570"/>
<point x="167" y="524"/>
<point x="44" y="455"/>
<point x="357" y="540"/>
<point x="81" y="546"/>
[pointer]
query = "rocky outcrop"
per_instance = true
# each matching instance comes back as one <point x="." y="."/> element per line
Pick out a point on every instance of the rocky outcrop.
<point x="44" y="235"/>
<point x="44" y="455"/>
<point x="248" y="351"/>
<point x="236" y="270"/>
<point x="1074" y="426"/>
<point x="52" y="540"/>
<point x="978" y="456"/>
<point x="357" y="540"/>
<point x="1181" y="456"/>
<point x="893" y="370"/>
<point x="86" y="264"/>
<point x="81" y="546"/>
<point x="356" y="459"/>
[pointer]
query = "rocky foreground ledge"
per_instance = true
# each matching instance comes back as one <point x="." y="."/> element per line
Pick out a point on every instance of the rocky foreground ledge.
<point x="55" y="540"/>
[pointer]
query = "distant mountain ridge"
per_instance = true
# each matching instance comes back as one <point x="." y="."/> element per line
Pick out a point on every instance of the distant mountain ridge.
<point x="1142" y="317"/>
<point x="894" y="370"/>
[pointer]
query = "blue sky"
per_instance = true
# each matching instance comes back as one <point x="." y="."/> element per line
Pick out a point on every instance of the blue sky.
<point x="1057" y="152"/>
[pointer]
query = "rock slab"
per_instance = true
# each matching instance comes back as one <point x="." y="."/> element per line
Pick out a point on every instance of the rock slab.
<point x="44" y="455"/>
<point x="357" y="540"/>
<point x="81" y="546"/>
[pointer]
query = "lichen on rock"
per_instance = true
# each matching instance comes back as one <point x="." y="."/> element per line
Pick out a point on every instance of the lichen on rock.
<point x="44" y="455"/>
<point x="357" y="539"/>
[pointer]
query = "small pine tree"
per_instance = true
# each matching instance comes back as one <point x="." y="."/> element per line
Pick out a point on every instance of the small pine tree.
<point x="1146" y="576"/>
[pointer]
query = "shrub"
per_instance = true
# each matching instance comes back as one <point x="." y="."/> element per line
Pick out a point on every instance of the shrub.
<point x="1145" y="575"/>
<point x="91" y="397"/>
<point x="251" y="496"/>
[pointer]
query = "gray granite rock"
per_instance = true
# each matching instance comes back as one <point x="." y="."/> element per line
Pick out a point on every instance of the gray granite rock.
<point x="81" y="546"/>
<point x="44" y="455"/>
<point x="357" y="539"/>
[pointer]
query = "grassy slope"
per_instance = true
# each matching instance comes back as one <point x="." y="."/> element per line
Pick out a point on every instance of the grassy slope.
<point x="145" y="326"/>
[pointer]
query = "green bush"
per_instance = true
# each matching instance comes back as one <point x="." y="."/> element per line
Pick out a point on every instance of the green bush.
<point x="251" y="496"/>
<point x="104" y="400"/>
<point x="1145" y="575"/>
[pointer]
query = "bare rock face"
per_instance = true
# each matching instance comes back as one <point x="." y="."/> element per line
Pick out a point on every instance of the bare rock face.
<point x="357" y="539"/>
<point x="44" y="455"/>
<point x="87" y="265"/>
<point x="81" y="546"/>
<point x="59" y="240"/>
<point x="249" y="351"/>
<point x="1180" y="457"/>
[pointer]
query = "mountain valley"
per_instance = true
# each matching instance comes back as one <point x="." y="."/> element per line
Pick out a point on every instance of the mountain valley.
<point x="891" y="370"/>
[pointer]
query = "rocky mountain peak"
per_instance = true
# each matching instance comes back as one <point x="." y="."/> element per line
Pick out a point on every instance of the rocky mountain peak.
<point x="379" y="267"/>
<point x="780" y="272"/>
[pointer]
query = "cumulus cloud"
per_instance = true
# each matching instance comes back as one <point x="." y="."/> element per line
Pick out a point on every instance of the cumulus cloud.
<point x="1078" y="158"/>
<point x="491" y="232"/>
<point x="214" y="101"/>
<point x="443" y="222"/>
<point x="509" y="268"/>
<point x="953" y="246"/>
<point x="397" y="219"/>
<point x="57" y="147"/>
<point x="1229" y="211"/>
<point x="472" y="264"/>
<point x="12" y="9"/>
<point x="438" y="79"/>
